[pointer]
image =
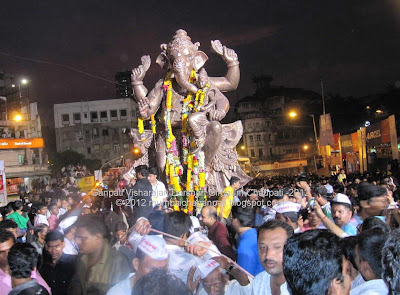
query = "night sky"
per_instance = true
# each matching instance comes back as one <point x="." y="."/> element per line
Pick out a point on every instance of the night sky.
<point x="353" y="45"/>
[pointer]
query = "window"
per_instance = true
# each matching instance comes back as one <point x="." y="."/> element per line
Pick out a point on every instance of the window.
<point x="77" y="118"/>
<point x="95" y="132"/>
<point x="106" y="146"/>
<point x="103" y="116"/>
<point x="78" y="135"/>
<point x="260" y="152"/>
<point x="270" y="151"/>
<point x="104" y="132"/>
<point x="89" y="150"/>
<point x="85" y="115"/>
<point x="65" y="118"/>
<point x="252" y="153"/>
<point x="116" y="148"/>
<point x="87" y="133"/>
<point x="94" y="117"/>
<point x="258" y="137"/>
<point x="122" y="114"/>
<point x="251" y="138"/>
<point x="21" y="159"/>
<point x="114" y="115"/>
<point x="96" y="147"/>
<point x="269" y="136"/>
<point x="115" y="131"/>
<point x="126" y="146"/>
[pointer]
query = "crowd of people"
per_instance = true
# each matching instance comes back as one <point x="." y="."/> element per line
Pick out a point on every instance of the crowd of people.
<point x="298" y="234"/>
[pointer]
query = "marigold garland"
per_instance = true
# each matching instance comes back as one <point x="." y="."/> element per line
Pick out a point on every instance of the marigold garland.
<point x="193" y="163"/>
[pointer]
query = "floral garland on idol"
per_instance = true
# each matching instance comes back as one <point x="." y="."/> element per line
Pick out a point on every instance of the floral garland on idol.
<point x="193" y="164"/>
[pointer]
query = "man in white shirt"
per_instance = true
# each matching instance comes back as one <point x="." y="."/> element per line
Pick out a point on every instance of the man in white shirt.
<point x="288" y="212"/>
<point x="329" y="188"/>
<point x="41" y="213"/>
<point x="314" y="263"/>
<point x="272" y="237"/>
<point x="151" y="254"/>
<point x="213" y="276"/>
<point x="368" y="260"/>
<point x="160" y="193"/>
<point x="181" y="258"/>
<point x="66" y="226"/>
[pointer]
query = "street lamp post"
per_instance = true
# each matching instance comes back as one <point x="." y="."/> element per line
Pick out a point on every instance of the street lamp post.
<point x="293" y="114"/>
<point x="23" y="82"/>
<point x="120" y="157"/>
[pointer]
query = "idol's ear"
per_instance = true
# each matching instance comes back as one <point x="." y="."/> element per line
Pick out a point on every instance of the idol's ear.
<point x="200" y="59"/>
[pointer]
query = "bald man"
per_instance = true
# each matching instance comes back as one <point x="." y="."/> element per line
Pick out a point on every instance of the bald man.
<point x="217" y="232"/>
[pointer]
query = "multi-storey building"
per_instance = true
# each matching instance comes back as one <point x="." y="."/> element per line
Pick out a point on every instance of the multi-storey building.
<point x="270" y="135"/>
<point x="123" y="84"/>
<point x="21" y="149"/>
<point x="96" y="129"/>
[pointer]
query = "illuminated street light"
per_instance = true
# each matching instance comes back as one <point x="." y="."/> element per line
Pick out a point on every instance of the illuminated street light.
<point x="24" y="81"/>
<point x="292" y="114"/>
<point x="13" y="85"/>
<point x="242" y="147"/>
<point x="305" y="147"/>
<point x="18" y="118"/>
<point x="379" y="111"/>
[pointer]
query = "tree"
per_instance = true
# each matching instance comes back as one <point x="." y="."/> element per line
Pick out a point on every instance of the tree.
<point x="59" y="160"/>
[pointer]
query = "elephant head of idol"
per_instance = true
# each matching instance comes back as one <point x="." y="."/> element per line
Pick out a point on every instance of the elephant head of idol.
<point x="180" y="57"/>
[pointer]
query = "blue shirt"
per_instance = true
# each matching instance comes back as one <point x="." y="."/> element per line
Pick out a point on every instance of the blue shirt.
<point x="248" y="252"/>
<point x="351" y="227"/>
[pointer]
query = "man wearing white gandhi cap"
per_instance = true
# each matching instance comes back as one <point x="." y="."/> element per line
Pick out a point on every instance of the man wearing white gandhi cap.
<point x="213" y="276"/>
<point x="67" y="228"/>
<point x="288" y="212"/>
<point x="151" y="253"/>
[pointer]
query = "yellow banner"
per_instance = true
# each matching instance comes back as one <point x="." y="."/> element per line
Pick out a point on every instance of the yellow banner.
<point x="86" y="183"/>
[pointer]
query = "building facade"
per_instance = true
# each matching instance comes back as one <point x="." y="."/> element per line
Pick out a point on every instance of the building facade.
<point x="96" y="129"/>
<point x="270" y="135"/>
<point x="22" y="150"/>
<point x="123" y="84"/>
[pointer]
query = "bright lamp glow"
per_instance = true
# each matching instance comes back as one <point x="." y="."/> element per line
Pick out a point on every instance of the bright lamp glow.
<point x="18" y="118"/>
<point x="24" y="81"/>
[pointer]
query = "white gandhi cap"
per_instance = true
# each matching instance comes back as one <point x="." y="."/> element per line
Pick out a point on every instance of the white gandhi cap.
<point x="285" y="207"/>
<point x="341" y="198"/>
<point x="207" y="267"/>
<point x="154" y="246"/>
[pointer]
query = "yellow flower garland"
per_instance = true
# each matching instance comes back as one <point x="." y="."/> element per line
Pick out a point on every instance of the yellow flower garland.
<point x="153" y="124"/>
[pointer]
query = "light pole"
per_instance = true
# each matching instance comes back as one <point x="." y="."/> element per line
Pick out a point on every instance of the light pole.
<point x="23" y="82"/>
<point x="293" y="115"/>
<point x="120" y="157"/>
<point x="137" y="153"/>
